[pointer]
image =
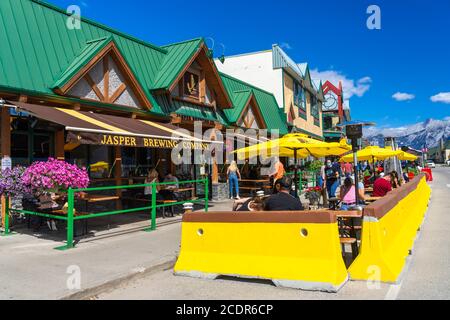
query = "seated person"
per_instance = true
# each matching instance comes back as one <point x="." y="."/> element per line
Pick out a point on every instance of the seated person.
<point x="243" y="204"/>
<point x="169" y="190"/>
<point x="347" y="193"/>
<point x="396" y="182"/>
<point x="405" y="177"/>
<point x="283" y="200"/>
<point x="250" y="204"/>
<point x="382" y="186"/>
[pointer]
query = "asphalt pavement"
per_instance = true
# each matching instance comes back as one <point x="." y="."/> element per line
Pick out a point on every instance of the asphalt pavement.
<point x="427" y="275"/>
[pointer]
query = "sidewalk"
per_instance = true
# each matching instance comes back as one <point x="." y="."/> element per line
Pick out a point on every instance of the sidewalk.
<point x="32" y="269"/>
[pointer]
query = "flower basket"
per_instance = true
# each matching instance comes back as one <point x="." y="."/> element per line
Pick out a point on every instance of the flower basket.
<point x="313" y="195"/>
<point x="11" y="183"/>
<point x="54" y="177"/>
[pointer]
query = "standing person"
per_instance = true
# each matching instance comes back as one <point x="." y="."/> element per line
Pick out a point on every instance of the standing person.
<point x="233" y="179"/>
<point x="331" y="179"/>
<point x="278" y="171"/>
<point x="348" y="169"/>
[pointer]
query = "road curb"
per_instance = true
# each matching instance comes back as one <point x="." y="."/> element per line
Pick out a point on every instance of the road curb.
<point x="91" y="293"/>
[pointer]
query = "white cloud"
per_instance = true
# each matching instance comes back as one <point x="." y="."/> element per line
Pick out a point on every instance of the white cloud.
<point x="443" y="97"/>
<point x="351" y="87"/>
<point x="400" y="96"/>
<point x="285" y="45"/>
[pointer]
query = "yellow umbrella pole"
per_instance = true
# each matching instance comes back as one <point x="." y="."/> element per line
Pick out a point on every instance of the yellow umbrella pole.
<point x="296" y="171"/>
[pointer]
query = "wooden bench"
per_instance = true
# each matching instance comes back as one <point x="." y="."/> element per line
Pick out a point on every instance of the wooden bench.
<point x="348" y="240"/>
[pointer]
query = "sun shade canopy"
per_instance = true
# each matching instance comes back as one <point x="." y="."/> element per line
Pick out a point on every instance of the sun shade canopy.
<point x="294" y="145"/>
<point x="100" y="129"/>
<point x="372" y="153"/>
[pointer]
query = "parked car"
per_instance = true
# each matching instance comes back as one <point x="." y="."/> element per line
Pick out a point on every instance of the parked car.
<point x="431" y="164"/>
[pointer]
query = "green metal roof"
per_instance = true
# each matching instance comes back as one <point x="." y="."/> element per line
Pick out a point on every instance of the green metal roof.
<point x="39" y="53"/>
<point x="240" y="100"/>
<point x="240" y="92"/>
<point x="87" y="54"/>
<point x="36" y="41"/>
<point x="184" y="108"/>
<point x="178" y="55"/>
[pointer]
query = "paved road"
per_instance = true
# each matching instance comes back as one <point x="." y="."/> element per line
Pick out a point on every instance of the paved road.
<point x="428" y="275"/>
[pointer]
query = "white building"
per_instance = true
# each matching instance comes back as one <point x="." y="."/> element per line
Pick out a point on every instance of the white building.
<point x="274" y="71"/>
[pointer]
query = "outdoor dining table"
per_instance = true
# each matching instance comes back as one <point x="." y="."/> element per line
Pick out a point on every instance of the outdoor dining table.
<point x="372" y="199"/>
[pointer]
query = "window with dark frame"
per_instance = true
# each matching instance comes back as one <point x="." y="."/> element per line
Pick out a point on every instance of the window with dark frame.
<point x="315" y="109"/>
<point x="299" y="99"/>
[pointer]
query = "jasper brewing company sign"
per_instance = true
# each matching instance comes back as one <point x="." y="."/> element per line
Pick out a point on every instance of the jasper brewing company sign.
<point x="137" y="142"/>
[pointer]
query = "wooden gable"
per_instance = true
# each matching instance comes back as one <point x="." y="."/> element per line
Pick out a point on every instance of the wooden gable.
<point x="107" y="78"/>
<point x="251" y="117"/>
<point x="199" y="82"/>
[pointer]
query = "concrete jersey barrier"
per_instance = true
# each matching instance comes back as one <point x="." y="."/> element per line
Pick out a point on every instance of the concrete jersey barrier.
<point x="293" y="249"/>
<point x="390" y="228"/>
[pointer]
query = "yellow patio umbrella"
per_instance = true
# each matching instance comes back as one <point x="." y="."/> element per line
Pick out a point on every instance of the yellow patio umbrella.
<point x="372" y="153"/>
<point x="405" y="156"/>
<point x="99" y="166"/>
<point x="294" y="145"/>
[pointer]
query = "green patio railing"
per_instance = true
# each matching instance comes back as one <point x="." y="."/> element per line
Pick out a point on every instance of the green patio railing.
<point x="302" y="180"/>
<point x="71" y="217"/>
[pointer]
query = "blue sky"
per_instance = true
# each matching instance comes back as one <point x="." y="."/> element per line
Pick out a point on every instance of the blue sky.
<point x="408" y="57"/>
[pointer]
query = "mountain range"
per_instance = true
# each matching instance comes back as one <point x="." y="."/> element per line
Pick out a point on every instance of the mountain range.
<point x="416" y="136"/>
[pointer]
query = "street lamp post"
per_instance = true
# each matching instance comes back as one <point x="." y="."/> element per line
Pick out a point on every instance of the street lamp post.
<point x="354" y="132"/>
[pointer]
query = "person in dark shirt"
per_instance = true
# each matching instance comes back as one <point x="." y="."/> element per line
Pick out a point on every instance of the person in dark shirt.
<point x="283" y="200"/>
<point x="331" y="178"/>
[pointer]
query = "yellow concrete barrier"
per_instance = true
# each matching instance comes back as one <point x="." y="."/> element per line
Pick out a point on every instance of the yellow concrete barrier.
<point x="293" y="249"/>
<point x="390" y="228"/>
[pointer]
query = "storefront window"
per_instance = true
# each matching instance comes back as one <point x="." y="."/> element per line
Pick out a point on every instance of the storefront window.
<point x="42" y="147"/>
<point x="19" y="148"/>
<point x="136" y="162"/>
<point x="79" y="156"/>
<point x="101" y="162"/>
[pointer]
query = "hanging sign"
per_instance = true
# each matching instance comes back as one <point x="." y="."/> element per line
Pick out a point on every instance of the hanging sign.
<point x="137" y="142"/>
<point x="6" y="163"/>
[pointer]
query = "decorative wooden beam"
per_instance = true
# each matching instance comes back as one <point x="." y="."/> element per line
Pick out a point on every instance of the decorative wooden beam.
<point x="106" y="77"/>
<point x="118" y="93"/>
<point x="59" y="145"/>
<point x="202" y="86"/>
<point x="94" y="87"/>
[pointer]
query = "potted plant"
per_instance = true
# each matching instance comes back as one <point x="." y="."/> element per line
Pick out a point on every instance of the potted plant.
<point x="313" y="195"/>
<point x="50" y="180"/>
<point x="11" y="184"/>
